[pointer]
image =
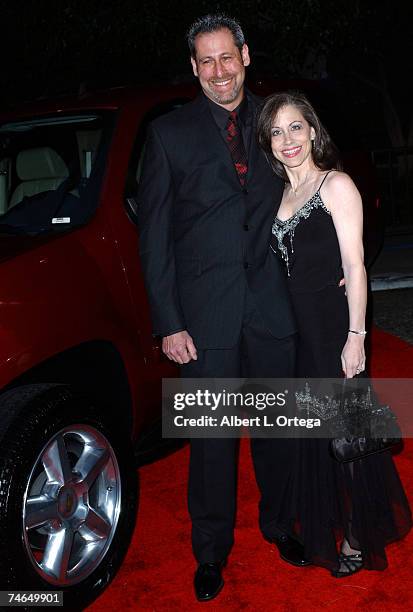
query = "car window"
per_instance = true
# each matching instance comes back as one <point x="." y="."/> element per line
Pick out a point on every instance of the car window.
<point x="47" y="168"/>
<point x="138" y="153"/>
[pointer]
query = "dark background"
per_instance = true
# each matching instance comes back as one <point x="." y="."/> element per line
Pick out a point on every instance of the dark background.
<point x="362" y="48"/>
<point x="359" y="52"/>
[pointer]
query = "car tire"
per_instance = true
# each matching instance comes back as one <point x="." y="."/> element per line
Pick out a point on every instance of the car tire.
<point x="68" y="494"/>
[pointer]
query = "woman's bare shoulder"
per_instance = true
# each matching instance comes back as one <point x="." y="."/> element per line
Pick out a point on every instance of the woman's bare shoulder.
<point x="336" y="179"/>
<point x="339" y="188"/>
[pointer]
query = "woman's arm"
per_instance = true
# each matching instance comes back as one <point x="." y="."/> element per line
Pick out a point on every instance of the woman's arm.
<point x="344" y="202"/>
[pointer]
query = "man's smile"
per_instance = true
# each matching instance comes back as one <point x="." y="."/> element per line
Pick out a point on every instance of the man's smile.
<point x="221" y="83"/>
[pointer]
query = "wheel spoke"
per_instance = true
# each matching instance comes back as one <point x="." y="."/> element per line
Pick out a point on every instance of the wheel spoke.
<point x="40" y="509"/>
<point x="56" y="462"/>
<point x="57" y="554"/>
<point x="72" y="504"/>
<point x="95" y="527"/>
<point x="91" y="464"/>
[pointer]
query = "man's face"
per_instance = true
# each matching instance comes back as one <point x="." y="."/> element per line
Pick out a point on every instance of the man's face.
<point x="220" y="67"/>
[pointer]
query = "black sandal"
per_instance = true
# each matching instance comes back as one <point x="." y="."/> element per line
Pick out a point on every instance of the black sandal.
<point x="349" y="565"/>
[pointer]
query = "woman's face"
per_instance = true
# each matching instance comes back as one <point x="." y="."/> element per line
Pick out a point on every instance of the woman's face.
<point x="291" y="137"/>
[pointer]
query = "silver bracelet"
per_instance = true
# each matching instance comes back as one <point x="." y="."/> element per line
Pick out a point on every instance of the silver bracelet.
<point x="359" y="333"/>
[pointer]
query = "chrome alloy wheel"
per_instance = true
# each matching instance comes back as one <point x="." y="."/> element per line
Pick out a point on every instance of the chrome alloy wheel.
<point x="71" y="505"/>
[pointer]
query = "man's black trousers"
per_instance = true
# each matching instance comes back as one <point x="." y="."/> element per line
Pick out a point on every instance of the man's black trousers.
<point x="213" y="462"/>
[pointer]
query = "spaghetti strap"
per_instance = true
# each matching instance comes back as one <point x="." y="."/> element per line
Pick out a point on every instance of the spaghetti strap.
<point x="325" y="176"/>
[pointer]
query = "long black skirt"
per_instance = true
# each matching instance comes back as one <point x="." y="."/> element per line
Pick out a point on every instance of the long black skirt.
<point x="363" y="501"/>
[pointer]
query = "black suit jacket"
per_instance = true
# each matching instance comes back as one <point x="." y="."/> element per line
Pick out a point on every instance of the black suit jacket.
<point x="203" y="237"/>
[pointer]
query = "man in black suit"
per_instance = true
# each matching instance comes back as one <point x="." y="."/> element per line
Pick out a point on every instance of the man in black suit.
<point x="218" y="296"/>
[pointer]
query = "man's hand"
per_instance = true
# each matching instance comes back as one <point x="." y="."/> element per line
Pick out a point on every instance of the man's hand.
<point x="179" y="347"/>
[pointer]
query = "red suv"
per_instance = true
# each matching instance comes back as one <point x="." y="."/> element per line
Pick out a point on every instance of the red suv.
<point x="79" y="369"/>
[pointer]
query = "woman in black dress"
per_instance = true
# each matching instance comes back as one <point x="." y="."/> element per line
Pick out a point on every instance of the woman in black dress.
<point x="318" y="235"/>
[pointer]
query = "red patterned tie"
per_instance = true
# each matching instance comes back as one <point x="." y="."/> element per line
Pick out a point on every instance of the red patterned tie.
<point x="236" y="147"/>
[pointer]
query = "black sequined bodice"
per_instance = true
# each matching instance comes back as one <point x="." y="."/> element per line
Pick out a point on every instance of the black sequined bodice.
<point x="307" y="244"/>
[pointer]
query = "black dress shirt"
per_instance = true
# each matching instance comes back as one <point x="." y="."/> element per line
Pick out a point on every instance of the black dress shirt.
<point x="221" y="114"/>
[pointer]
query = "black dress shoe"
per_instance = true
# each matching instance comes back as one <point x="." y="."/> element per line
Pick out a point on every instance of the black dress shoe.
<point x="291" y="551"/>
<point x="208" y="581"/>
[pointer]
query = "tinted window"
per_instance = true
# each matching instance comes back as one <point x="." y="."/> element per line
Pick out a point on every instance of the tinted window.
<point x="48" y="166"/>
<point x="138" y="152"/>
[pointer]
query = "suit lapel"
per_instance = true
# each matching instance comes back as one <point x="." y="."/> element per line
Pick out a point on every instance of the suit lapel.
<point x="212" y="136"/>
<point x="211" y="133"/>
<point x="254" y="152"/>
<point x="257" y="157"/>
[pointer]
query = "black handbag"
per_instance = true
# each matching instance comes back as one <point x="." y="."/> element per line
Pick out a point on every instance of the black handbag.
<point x="361" y="426"/>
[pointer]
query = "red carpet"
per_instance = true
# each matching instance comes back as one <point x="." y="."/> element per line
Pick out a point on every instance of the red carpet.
<point x="157" y="572"/>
